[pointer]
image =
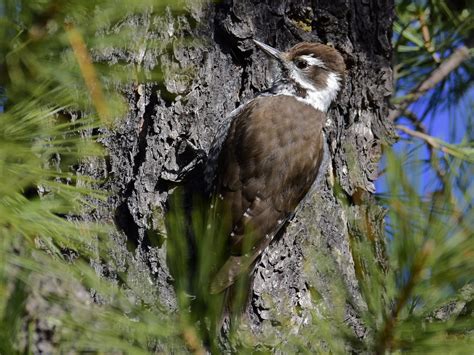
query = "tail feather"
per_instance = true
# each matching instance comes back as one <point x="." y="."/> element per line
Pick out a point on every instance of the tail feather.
<point x="230" y="272"/>
<point x="236" y="298"/>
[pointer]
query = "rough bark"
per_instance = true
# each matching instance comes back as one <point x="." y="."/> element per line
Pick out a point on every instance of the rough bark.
<point x="170" y="125"/>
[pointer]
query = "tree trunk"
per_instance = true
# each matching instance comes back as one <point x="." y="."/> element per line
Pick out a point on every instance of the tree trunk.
<point x="210" y="68"/>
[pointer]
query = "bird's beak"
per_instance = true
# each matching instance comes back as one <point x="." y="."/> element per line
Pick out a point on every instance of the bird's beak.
<point x="272" y="52"/>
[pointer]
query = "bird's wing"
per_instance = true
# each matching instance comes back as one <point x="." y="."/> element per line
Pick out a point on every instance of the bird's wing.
<point x="267" y="163"/>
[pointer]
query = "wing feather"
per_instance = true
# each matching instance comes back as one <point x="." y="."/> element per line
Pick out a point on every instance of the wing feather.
<point x="267" y="164"/>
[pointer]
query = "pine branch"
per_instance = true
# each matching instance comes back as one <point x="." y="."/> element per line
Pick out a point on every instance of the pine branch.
<point x="460" y="55"/>
<point x="427" y="37"/>
<point x="435" y="144"/>
<point x="88" y="71"/>
<point x="192" y="341"/>
<point x="432" y="144"/>
<point x="431" y="141"/>
<point x="385" y="340"/>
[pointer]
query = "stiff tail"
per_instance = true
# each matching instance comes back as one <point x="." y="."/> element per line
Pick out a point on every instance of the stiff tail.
<point x="230" y="272"/>
<point x="235" y="300"/>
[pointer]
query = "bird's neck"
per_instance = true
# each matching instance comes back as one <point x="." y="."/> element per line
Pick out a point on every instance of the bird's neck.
<point x="319" y="98"/>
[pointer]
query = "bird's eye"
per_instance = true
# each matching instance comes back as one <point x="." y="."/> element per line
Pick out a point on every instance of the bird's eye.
<point x="301" y="64"/>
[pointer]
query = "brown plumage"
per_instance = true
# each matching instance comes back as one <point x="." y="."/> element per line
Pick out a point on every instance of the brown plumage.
<point x="268" y="163"/>
<point x="272" y="153"/>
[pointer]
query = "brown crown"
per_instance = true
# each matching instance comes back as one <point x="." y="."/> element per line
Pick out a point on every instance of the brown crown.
<point x="328" y="55"/>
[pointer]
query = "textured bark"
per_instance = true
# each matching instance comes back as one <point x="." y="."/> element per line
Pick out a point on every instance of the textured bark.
<point x="170" y="125"/>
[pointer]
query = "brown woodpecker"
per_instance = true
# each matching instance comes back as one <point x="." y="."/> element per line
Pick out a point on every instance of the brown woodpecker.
<point x="265" y="159"/>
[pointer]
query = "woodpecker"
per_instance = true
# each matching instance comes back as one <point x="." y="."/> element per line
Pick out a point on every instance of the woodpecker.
<point x="267" y="155"/>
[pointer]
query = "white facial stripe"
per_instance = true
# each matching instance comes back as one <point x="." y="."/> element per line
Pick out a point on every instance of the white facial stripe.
<point x="311" y="60"/>
<point x="320" y="99"/>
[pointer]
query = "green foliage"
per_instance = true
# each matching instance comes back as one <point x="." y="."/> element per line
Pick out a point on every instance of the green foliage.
<point x="420" y="301"/>
<point x="430" y="223"/>
<point x="53" y="102"/>
<point x="430" y="251"/>
<point x="427" y="33"/>
<point x="194" y="252"/>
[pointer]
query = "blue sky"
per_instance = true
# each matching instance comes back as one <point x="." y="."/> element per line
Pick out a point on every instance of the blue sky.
<point x="449" y="124"/>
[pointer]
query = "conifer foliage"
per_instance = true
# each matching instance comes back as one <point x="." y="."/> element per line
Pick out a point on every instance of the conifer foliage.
<point x="58" y="101"/>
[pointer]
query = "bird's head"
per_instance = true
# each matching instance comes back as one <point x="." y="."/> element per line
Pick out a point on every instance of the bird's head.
<point x="313" y="66"/>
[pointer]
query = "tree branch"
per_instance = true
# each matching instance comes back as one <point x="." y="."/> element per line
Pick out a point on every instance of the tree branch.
<point x="88" y="71"/>
<point x="427" y="37"/>
<point x="432" y="142"/>
<point x="386" y="336"/>
<point x="439" y="74"/>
